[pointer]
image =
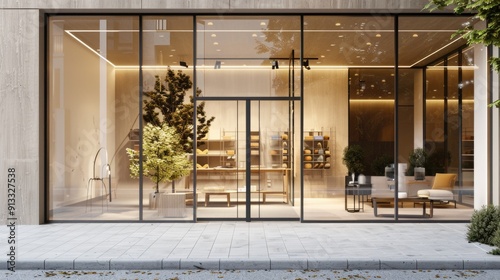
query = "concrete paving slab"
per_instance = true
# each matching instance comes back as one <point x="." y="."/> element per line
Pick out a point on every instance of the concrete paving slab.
<point x="363" y="264"/>
<point x="59" y="264"/>
<point x="398" y="264"/>
<point x="256" y="245"/>
<point x="327" y="264"/>
<point x="440" y="264"/>
<point x="128" y="264"/>
<point x="200" y="264"/>
<point x="31" y="264"/>
<point x="258" y="264"/>
<point x="92" y="264"/>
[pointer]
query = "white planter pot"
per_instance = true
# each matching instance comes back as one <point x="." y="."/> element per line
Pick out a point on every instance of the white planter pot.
<point x="154" y="199"/>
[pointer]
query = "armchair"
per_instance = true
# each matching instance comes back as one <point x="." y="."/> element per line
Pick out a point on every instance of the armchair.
<point x="442" y="188"/>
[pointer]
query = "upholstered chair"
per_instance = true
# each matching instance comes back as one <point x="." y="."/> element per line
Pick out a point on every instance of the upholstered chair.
<point x="442" y="188"/>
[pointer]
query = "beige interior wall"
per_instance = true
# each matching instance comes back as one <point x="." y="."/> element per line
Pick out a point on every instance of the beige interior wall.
<point x="326" y="108"/>
<point x="77" y="123"/>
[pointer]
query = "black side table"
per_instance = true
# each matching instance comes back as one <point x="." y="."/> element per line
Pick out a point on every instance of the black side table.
<point x="358" y="192"/>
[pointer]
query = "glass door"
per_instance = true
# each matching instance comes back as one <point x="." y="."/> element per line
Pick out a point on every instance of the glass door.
<point x="244" y="165"/>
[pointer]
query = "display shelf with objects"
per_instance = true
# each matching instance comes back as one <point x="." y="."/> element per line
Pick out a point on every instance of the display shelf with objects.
<point x="279" y="149"/>
<point x="255" y="148"/>
<point x="318" y="149"/>
<point x="219" y="152"/>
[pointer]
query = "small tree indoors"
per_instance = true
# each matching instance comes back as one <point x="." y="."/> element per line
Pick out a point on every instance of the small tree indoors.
<point x="163" y="157"/>
<point x="166" y="105"/>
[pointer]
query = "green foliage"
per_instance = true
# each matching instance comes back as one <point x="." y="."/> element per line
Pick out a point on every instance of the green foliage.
<point x="166" y="105"/>
<point x="483" y="225"/>
<point x="417" y="158"/>
<point x="163" y="156"/>
<point x="496" y="236"/>
<point x="380" y="163"/>
<point x="485" y="10"/>
<point x="353" y="159"/>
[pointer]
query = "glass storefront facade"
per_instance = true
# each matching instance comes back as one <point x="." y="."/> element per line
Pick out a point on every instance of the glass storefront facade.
<point x="186" y="118"/>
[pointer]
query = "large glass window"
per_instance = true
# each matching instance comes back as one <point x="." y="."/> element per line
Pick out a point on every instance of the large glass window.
<point x="260" y="125"/>
<point x="93" y="105"/>
<point x="348" y="101"/>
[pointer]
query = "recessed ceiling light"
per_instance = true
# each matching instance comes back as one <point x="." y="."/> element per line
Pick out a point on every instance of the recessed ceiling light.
<point x="355" y="75"/>
<point x="322" y="56"/>
<point x="368" y="43"/>
<point x="213" y="35"/>
<point x="341" y="36"/>
<point x="262" y="23"/>
<point x="383" y="80"/>
<point x="216" y="43"/>
<point x="218" y="50"/>
<point x="210" y="23"/>
<point x="254" y="35"/>
<point x="415" y="35"/>
<point x="337" y="24"/>
<point x="171" y="55"/>
<point x="378" y="35"/>
<point x="327" y="50"/>
<point x="172" y="50"/>
<point x="332" y="45"/>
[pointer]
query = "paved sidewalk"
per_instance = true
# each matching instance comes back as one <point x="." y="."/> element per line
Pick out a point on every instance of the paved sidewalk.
<point x="240" y="245"/>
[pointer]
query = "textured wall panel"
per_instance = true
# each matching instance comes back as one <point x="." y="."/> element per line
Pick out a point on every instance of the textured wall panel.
<point x="329" y="6"/>
<point x="225" y="6"/>
<point x="220" y="6"/>
<point x="71" y="4"/>
<point x="19" y="110"/>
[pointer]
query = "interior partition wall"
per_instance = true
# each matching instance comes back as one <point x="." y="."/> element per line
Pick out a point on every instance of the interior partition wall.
<point x="273" y="101"/>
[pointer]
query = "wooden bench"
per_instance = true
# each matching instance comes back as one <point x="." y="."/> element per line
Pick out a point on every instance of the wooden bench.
<point x="227" y="194"/>
<point x="265" y="193"/>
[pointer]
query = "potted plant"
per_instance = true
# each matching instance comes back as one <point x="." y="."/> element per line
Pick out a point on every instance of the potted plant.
<point x="163" y="158"/>
<point x="352" y="158"/>
<point x="417" y="161"/>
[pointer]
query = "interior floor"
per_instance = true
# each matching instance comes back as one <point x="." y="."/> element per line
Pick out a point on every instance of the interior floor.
<point x="125" y="206"/>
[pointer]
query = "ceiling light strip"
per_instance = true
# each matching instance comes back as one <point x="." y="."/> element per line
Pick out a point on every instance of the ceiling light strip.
<point x="91" y="49"/>
<point x="435" y="52"/>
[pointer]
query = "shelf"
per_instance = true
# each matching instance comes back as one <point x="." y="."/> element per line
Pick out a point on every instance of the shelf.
<point x="318" y="151"/>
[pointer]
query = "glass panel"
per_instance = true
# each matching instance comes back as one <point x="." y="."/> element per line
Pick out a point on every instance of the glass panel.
<point x="168" y="100"/>
<point x="429" y="42"/>
<point x="466" y="183"/>
<point x="271" y="142"/>
<point x="246" y="56"/>
<point x="93" y="105"/>
<point x="223" y="157"/>
<point x="221" y="162"/>
<point x="348" y="100"/>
